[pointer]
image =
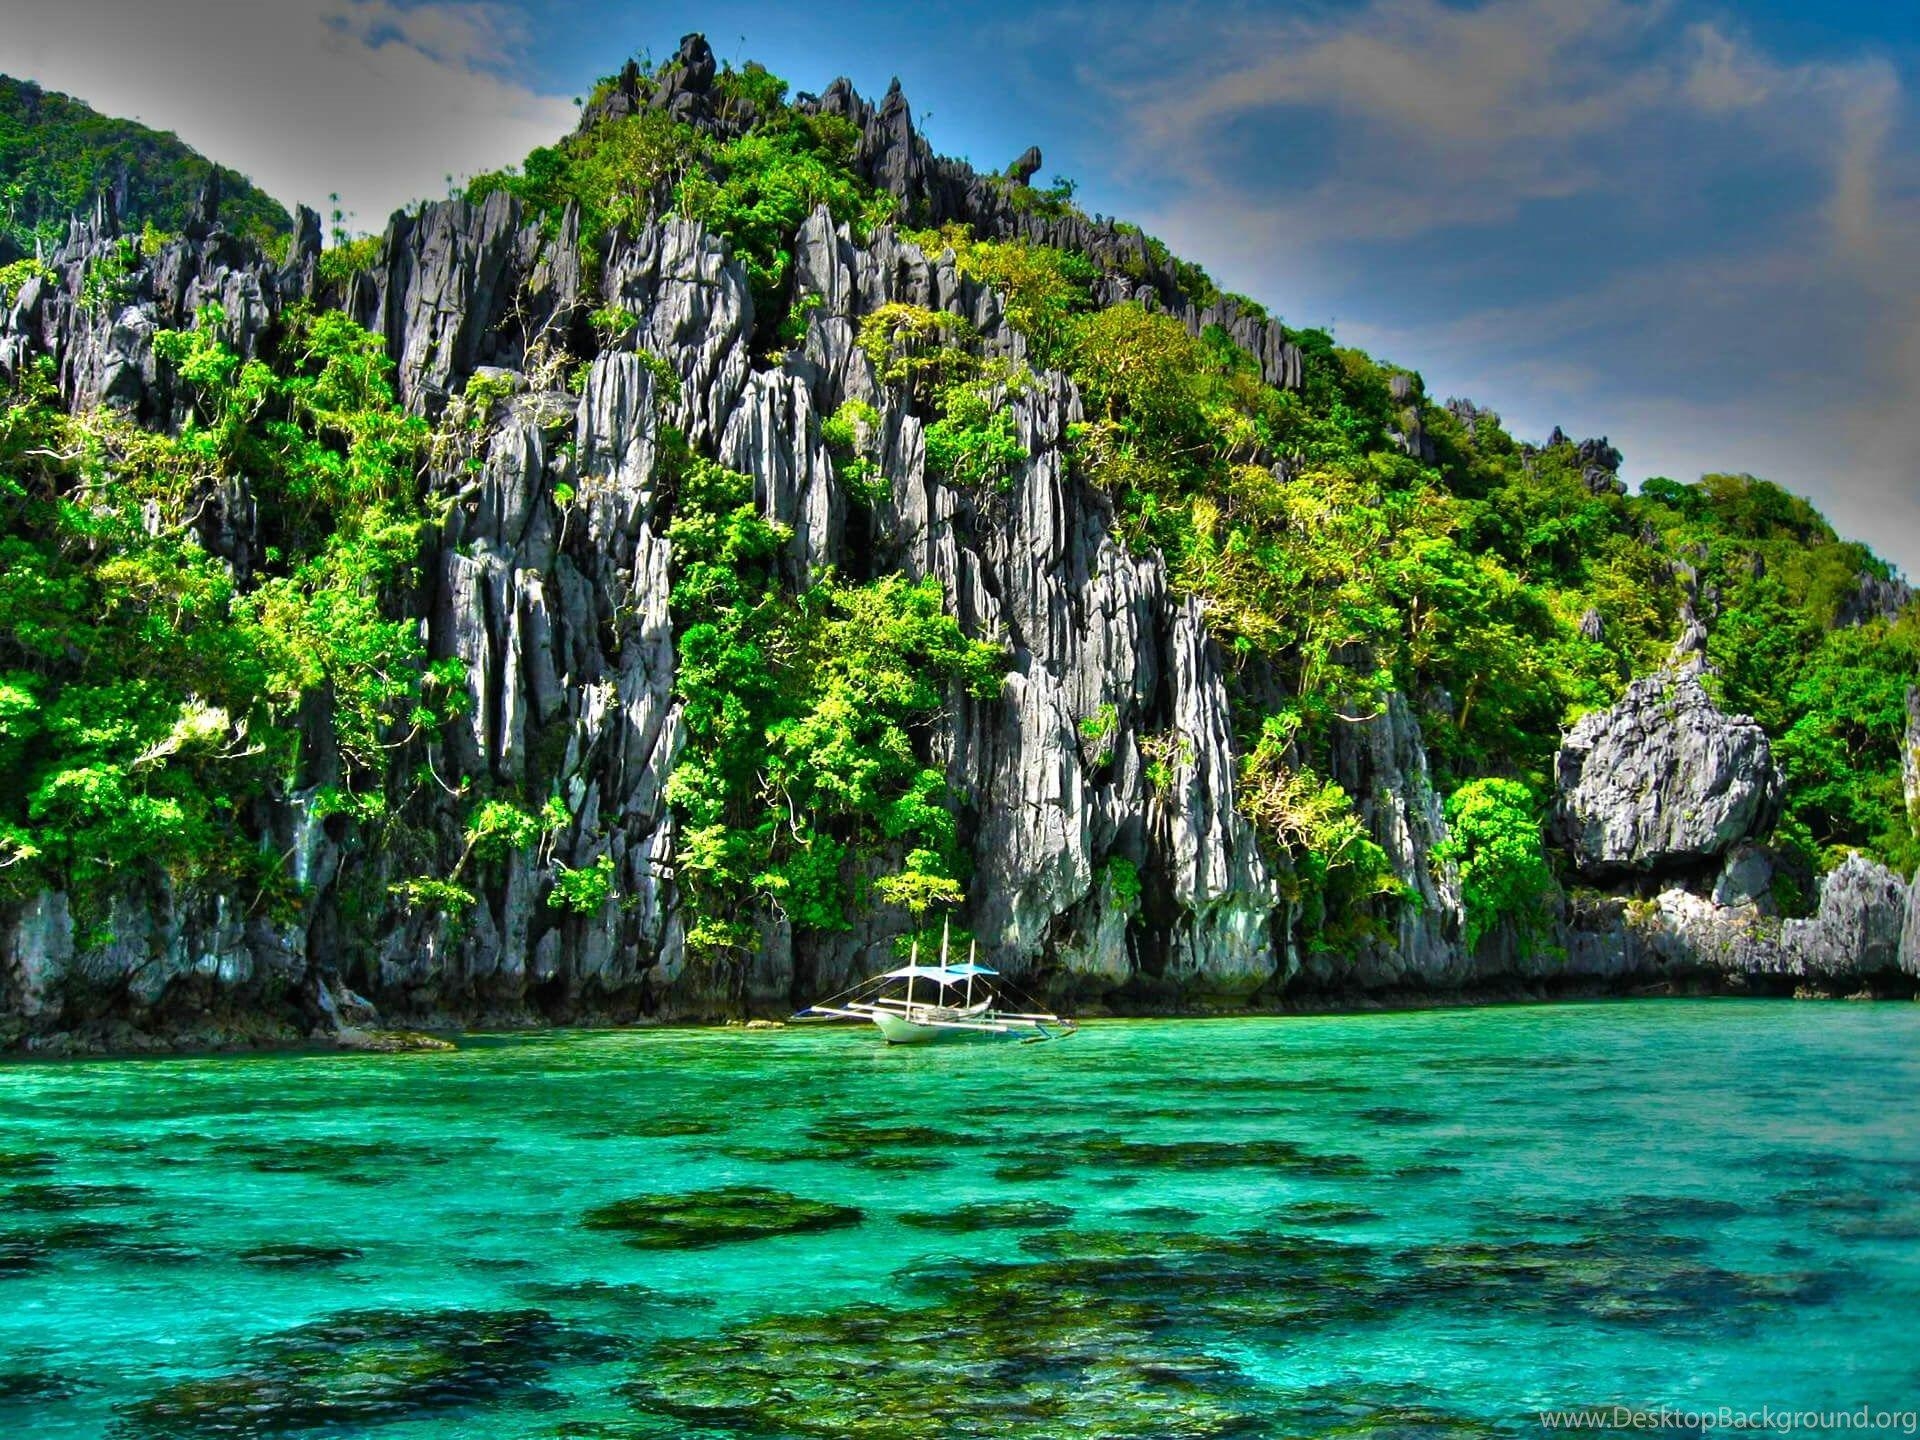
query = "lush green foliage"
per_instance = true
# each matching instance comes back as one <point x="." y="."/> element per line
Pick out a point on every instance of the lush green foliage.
<point x="617" y="173"/>
<point x="585" y="890"/>
<point x="801" y="793"/>
<point x="1493" y="839"/>
<point x="1832" y="695"/>
<point x="152" y="687"/>
<point x="1045" y="290"/>
<point x="17" y="274"/>
<point x="150" y="690"/>
<point x="56" y="155"/>
<point x="973" y="441"/>
<point x="918" y="351"/>
<point x="1329" y="863"/>
<point x="340" y="263"/>
<point x="851" y="435"/>
<point x="1123" y="879"/>
<point x="1494" y="582"/>
<point x="926" y="355"/>
<point x="755" y="187"/>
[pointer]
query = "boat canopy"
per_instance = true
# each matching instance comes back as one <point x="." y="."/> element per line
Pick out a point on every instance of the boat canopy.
<point x="940" y="974"/>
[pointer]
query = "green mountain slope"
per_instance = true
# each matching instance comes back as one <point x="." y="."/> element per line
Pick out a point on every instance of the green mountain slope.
<point x="1352" y="623"/>
<point x="1347" y="534"/>
<point x="57" y="154"/>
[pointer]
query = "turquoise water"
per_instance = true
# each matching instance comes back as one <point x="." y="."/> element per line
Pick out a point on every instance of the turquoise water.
<point x="1433" y="1223"/>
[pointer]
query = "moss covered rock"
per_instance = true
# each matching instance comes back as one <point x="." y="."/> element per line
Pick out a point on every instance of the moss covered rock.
<point x="991" y="1215"/>
<point x="727" y="1215"/>
<point x="362" y="1368"/>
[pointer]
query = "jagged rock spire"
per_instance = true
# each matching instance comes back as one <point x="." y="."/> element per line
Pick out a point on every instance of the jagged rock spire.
<point x="306" y="239"/>
<point x="695" y="61"/>
<point x="686" y="83"/>
<point x="1022" y="171"/>
<point x="205" y="216"/>
<point x="106" y="215"/>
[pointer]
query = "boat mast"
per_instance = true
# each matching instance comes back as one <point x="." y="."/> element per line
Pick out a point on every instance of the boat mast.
<point x="946" y="929"/>
<point x="972" y="946"/>
<point x="913" y="960"/>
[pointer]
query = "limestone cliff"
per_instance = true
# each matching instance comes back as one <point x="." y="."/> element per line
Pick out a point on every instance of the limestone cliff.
<point x="548" y="578"/>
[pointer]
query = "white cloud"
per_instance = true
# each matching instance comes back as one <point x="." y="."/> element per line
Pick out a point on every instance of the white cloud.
<point x="1443" y="114"/>
<point x="473" y="35"/>
<point x="1437" y="75"/>
<point x="1782" y="335"/>
<point x="371" y="99"/>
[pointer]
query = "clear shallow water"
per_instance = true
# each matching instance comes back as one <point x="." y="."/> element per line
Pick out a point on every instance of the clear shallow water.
<point x="1431" y="1223"/>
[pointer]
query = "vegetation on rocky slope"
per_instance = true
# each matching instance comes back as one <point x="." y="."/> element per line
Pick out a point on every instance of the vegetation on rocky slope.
<point x="57" y="154"/>
<point x="151" y="687"/>
<point x="758" y="170"/>
<point x="800" y="772"/>
<point x="1347" y="538"/>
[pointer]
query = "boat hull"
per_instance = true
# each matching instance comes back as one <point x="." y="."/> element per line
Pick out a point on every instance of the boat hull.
<point x="901" y="1031"/>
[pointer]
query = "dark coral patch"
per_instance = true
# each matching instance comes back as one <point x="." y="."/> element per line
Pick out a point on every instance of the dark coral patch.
<point x="291" y="1256"/>
<point x="363" y="1368"/>
<point x="991" y="1215"/>
<point x="727" y="1215"/>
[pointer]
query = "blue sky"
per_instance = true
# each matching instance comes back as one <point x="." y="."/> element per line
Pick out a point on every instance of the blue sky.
<point x="1692" y="227"/>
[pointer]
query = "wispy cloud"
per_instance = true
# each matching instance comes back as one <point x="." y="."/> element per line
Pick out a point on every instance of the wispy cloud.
<point x="373" y="99"/>
<point x="1440" y="114"/>
<point x="1606" y="205"/>
<point x="471" y="36"/>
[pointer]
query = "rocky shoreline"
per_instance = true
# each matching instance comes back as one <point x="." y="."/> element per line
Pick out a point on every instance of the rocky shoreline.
<point x="249" y="1035"/>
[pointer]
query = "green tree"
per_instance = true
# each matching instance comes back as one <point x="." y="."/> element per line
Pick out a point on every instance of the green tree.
<point x="1493" y="837"/>
<point x="57" y="154"/>
<point x="152" y="688"/>
<point x="800" y="792"/>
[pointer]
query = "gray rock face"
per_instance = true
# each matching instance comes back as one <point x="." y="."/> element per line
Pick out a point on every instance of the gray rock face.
<point x="895" y="157"/>
<point x="1096" y="795"/>
<point x="458" y="286"/>
<point x="695" y="313"/>
<point x="1910" y="930"/>
<point x="1746" y="879"/>
<point x="1092" y="633"/>
<point x="1857" y="929"/>
<point x="559" y="615"/>
<point x="1382" y="763"/>
<point x="1663" y="782"/>
<point x="1910" y="757"/>
<point x="1874" y="599"/>
<point x="1862" y="933"/>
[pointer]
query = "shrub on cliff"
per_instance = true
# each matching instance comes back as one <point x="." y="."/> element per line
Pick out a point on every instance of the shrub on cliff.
<point x="154" y="686"/>
<point x="1494" y="841"/>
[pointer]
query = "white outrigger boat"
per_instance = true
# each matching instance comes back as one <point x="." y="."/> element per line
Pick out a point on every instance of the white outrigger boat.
<point x="918" y="1004"/>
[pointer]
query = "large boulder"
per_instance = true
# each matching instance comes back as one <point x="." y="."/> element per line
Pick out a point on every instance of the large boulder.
<point x="1910" y="930"/>
<point x="1664" y="783"/>
<point x="1863" y="934"/>
<point x="1857" y="929"/>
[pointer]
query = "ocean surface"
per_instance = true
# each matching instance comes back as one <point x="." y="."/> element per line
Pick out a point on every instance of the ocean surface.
<point x="1431" y="1224"/>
